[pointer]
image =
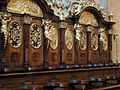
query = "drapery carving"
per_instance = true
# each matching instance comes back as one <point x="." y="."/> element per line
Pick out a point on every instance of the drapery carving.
<point x="24" y="7"/>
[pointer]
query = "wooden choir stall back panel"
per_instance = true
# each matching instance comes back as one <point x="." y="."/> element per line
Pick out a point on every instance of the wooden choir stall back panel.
<point x="68" y="49"/>
<point x="37" y="40"/>
<point x="35" y="43"/>
<point x="14" y="49"/>
<point x="53" y="46"/>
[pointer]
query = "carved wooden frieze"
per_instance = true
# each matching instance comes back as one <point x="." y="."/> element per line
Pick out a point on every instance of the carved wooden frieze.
<point x="15" y="34"/>
<point x="35" y="35"/>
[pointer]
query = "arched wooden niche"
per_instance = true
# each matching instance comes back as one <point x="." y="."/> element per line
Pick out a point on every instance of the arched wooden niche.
<point x="25" y="30"/>
<point x="24" y="7"/>
<point x="87" y="35"/>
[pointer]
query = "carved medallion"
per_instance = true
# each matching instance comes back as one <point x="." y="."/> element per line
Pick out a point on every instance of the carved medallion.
<point x="53" y="37"/>
<point x="103" y="39"/>
<point x="94" y="40"/>
<point x="69" y="38"/>
<point x="81" y="37"/>
<point x="35" y="36"/>
<point x="15" y="34"/>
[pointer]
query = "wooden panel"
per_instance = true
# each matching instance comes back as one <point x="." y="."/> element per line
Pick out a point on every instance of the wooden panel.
<point x="93" y="50"/>
<point x="14" y="50"/>
<point x="81" y="50"/>
<point x="35" y="50"/>
<point x="105" y="53"/>
<point x="53" y="46"/>
<point x="68" y="50"/>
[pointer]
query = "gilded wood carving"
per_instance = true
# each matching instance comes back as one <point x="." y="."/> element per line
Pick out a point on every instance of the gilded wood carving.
<point x="103" y="39"/>
<point x="24" y="7"/>
<point x="53" y="37"/>
<point x="15" y="34"/>
<point x="81" y="37"/>
<point x="69" y="38"/>
<point x="88" y="18"/>
<point x="35" y="36"/>
<point x="94" y="40"/>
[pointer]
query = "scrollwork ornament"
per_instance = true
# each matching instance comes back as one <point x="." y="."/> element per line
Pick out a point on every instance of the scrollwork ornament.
<point x="69" y="38"/>
<point x="35" y="36"/>
<point x="15" y="34"/>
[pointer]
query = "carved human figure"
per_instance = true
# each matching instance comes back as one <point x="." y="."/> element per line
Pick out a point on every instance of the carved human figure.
<point x="4" y="20"/>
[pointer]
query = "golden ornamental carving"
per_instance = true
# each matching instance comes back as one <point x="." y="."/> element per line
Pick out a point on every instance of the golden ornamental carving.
<point x="50" y="33"/>
<point x="35" y="36"/>
<point x="15" y="34"/>
<point x="81" y="37"/>
<point x="53" y="38"/>
<point x="88" y="18"/>
<point x="4" y="19"/>
<point x="24" y="7"/>
<point x="103" y="39"/>
<point x="69" y="38"/>
<point x="94" y="40"/>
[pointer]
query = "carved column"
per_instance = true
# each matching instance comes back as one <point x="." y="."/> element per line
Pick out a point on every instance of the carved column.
<point x="110" y="35"/>
<point x="62" y="51"/>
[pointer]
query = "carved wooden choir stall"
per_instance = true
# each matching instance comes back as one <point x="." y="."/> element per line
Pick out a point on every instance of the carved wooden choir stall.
<point x="44" y="46"/>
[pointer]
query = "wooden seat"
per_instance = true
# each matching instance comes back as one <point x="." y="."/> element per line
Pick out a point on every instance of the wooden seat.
<point x="112" y="80"/>
<point x="25" y="87"/>
<point x="51" y="86"/>
<point x="78" y="84"/>
<point x="96" y="82"/>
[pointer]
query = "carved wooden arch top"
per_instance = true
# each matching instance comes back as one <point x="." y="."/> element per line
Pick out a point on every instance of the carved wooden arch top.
<point x="24" y="7"/>
<point x="88" y="18"/>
